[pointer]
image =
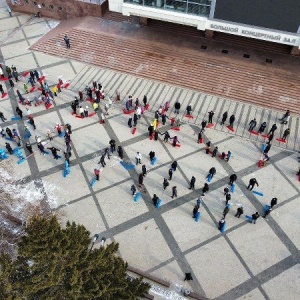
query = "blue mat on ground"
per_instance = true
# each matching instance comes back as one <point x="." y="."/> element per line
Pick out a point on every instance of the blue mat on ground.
<point x="21" y="161"/>
<point x="223" y="228"/>
<point x="27" y="136"/>
<point x="46" y="152"/>
<point x="158" y="204"/>
<point x="9" y="139"/>
<point x="257" y="193"/>
<point x="62" y="134"/>
<point x="15" y="118"/>
<point x="153" y="161"/>
<point x="232" y="188"/>
<point x="137" y="197"/>
<point x="59" y="156"/>
<point x="198" y="215"/>
<point x="249" y="218"/>
<point x="127" y="167"/>
<point x="263" y="147"/>
<point x="209" y="178"/>
<point x="267" y="207"/>
<point x="66" y="172"/>
<point x="92" y="183"/>
<point x="15" y="150"/>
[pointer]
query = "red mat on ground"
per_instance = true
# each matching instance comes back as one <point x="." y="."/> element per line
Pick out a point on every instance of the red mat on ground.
<point x="101" y="122"/>
<point x="40" y="89"/>
<point x="260" y="163"/>
<point x="230" y="128"/>
<point x="281" y="140"/>
<point x="134" y="130"/>
<point x="177" y="145"/>
<point x="73" y="113"/>
<point x="211" y="125"/>
<point x="48" y="105"/>
<point x="189" y="116"/>
<point x="42" y="78"/>
<point x="299" y="177"/>
<point x="176" y="128"/>
<point x="254" y="132"/>
<point x="151" y="136"/>
<point x="90" y="100"/>
<point x="264" y="136"/>
<point x="25" y="73"/>
<point x="32" y="89"/>
<point x="220" y="156"/>
<point x="92" y="114"/>
<point x="3" y="78"/>
<point x="147" y="106"/>
<point x="127" y="112"/>
<point x="67" y="85"/>
<point x="79" y="117"/>
<point x="4" y="95"/>
<point x="37" y="104"/>
<point x="201" y="141"/>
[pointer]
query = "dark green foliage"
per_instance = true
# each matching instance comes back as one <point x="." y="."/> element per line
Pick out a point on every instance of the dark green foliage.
<point x="55" y="263"/>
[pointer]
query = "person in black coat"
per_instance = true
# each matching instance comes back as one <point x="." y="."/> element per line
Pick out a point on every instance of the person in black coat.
<point x="224" y="117"/>
<point x="231" y="120"/>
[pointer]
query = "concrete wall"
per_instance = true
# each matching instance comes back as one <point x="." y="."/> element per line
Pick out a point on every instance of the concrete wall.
<point x="62" y="9"/>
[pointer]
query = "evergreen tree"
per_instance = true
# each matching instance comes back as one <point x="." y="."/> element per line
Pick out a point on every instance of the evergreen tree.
<point x="55" y="263"/>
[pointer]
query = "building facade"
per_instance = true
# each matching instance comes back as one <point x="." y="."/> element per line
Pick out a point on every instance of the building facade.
<point x="269" y="20"/>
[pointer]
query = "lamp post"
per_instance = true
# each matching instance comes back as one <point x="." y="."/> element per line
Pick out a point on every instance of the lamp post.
<point x="103" y="239"/>
<point x="96" y="236"/>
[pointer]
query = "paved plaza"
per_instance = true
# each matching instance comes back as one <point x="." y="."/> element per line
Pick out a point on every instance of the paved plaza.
<point x="248" y="261"/>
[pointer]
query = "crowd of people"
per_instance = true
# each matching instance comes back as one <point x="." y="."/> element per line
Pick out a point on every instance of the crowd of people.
<point x="95" y="94"/>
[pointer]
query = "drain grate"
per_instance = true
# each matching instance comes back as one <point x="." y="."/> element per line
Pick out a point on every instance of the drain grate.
<point x="246" y="55"/>
<point x="203" y="47"/>
<point x="225" y="51"/>
<point x="269" y="60"/>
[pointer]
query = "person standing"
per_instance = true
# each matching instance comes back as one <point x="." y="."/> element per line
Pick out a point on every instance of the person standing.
<point x="138" y="158"/>
<point x="120" y="152"/>
<point x="231" y="120"/>
<point x="54" y="152"/>
<point x="215" y="151"/>
<point x="232" y="179"/>
<point x="29" y="147"/>
<point x="67" y="41"/>
<point x="2" y="116"/>
<point x="177" y="107"/>
<point x="273" y="202"/>
<point x="133" y="190"/>
<point x="255" y="217"/>
<point x="151" y="155"/>
<point x="192" y="183"/>
<point x="229" y="154"/>
<point x="252" y="183"/>
<point x="268" y="147"/>
<point x="155" y="200"/>
<point x="273" y="129"/>
<point x="1" y="89"/>
<point x="203" y="124"/>
<point x="166" y="136"/>
<point x="228" y="198"/>
<point x="112" y="144"/>
<point x="207" y="147"/>
<point x="165" y="184"/>
<point x="9" y="133"/>
<point x="200" y="135"/>
<point x="224" y="117"/>
<point x="9" y="148"/>
<point x="102" y="160"/>
<point x="97" y="173"/>
<point x="210" y="116"/>
<point x="141" y="180"/>
<point x="195" y="210"/>
<point x="11" y="83"/>
<point x="15" y="75"/>
<point x="144" y="170"/>
<point x="174" y="165"/>
<point x="175" y="141"/>
<point x="205" y="189"/>
<point x="8" y="10"/>
<point x="174" y="192"/>
<point x="252" y="124"/>
<point x="19" y="112"/>
<point x="226" y="211"/>
<point x="31" y="122"/>
<point x="151" y="130"/>
<point x="135" y="119"/>
<point x="286" y="133"/>
<point x="239" y="211"/>
<point x="211" y="173"/>
<point x="170" y="173"/>
<point x="262" y="127"/>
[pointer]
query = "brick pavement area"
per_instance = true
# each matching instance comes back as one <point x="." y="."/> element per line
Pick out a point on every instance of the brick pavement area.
<point x="249" y="261"/>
